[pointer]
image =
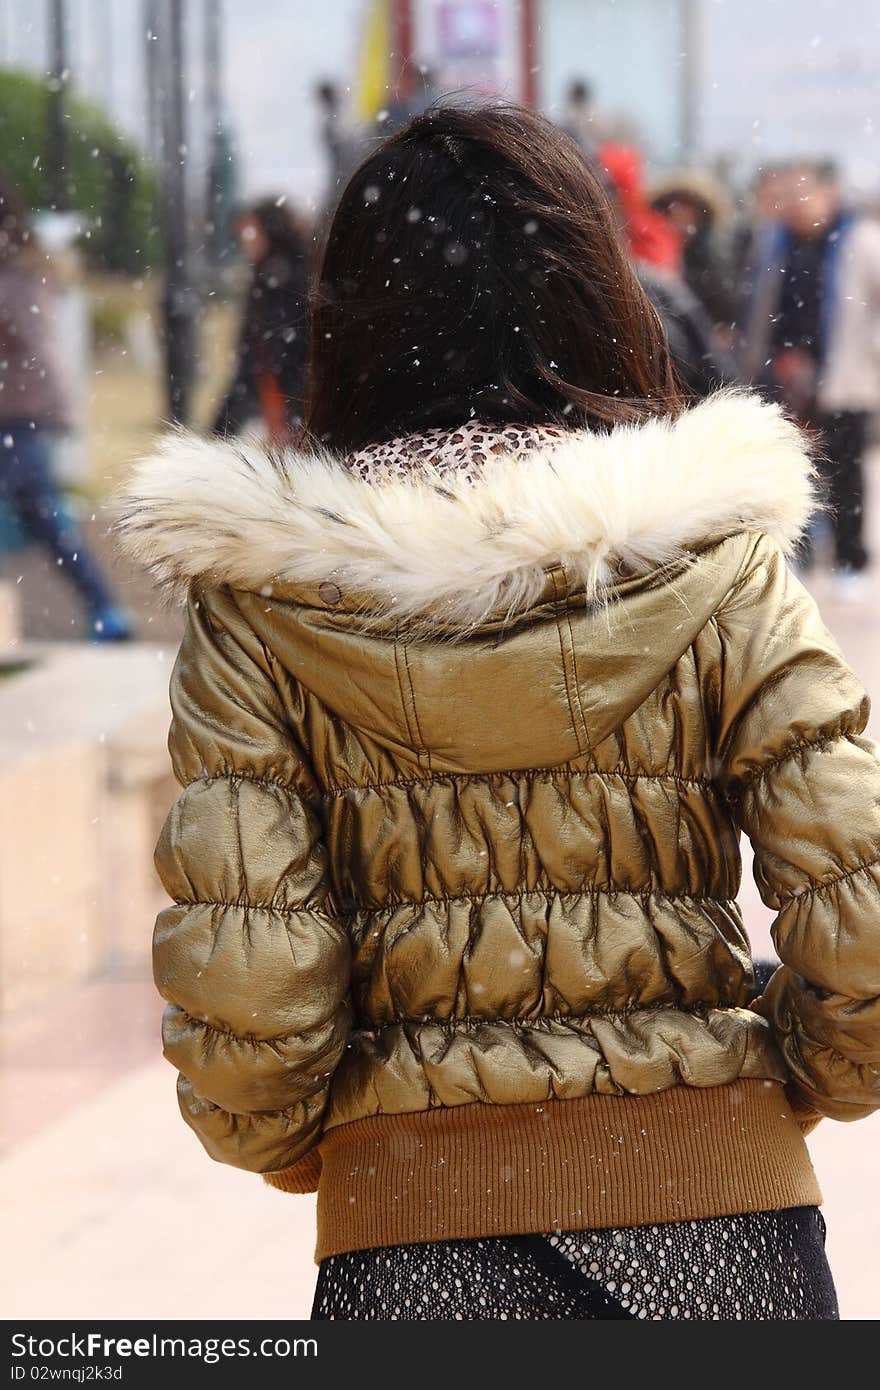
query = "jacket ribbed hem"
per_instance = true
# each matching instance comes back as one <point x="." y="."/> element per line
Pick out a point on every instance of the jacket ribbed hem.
<point x="489" y="1170"/>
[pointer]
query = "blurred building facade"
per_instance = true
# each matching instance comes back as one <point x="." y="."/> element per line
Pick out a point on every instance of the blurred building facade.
<point x="742" y="80"/>
<point x="639" y="57"/>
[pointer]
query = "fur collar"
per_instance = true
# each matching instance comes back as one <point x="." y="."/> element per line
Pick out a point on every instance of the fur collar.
<point x="235" y="513"/>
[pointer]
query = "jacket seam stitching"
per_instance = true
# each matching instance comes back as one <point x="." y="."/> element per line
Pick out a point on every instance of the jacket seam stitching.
<point x="245" y="777"/>
<point x="545" y="892"/>
<point x="789" y="898"/>
<point x="412" y="732"/>
<point x="239" y="1115"/>
<point x="565" y="610"/>
<point x="423" y="748"/>
<point x="250" y="1037"/>
<point x="340" y="789"/>
<point x="577" y="688"/>
<point x="580" y="733"/>
<point x="303" y="908"/>
<point x="749" y="780"/>
<point x="535" y="1021"/>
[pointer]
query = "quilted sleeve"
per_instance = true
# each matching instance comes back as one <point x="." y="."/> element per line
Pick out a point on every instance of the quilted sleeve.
<point x="805" y="787"/>
<point x="251" y="959"/>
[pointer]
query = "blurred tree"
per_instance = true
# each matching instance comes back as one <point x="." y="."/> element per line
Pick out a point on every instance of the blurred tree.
<point x="108" y="180"/>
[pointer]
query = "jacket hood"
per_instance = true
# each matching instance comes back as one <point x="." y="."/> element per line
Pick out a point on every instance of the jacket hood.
<point x="446" y="548"/>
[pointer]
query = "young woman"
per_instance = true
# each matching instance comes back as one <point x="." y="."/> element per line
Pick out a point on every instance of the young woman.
<point x="268" y="383"/>
<point x="477" y="692"/>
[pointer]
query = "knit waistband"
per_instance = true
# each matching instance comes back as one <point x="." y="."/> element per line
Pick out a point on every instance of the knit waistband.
<point x="595" y="1161"/>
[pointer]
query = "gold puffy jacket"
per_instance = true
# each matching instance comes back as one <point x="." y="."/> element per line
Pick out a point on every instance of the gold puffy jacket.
<point x="465" y="767"/>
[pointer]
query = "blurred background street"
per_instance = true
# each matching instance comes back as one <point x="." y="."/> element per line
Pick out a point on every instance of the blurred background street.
<point x="166" y="174"/>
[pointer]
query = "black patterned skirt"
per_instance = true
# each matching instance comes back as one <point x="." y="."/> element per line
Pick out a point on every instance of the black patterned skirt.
<point x="767" y="1265"/>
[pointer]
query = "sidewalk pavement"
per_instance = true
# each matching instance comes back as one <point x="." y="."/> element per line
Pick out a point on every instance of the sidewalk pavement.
<point x="114" y="1211"/>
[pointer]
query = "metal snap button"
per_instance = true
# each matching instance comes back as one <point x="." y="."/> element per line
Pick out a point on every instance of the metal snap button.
<point x="329" y="592"/>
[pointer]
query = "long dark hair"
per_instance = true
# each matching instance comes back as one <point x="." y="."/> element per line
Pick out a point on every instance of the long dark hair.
<point x="474" y="268"/>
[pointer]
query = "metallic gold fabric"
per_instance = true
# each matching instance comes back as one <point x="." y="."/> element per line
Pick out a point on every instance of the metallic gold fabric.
<point x="413" y="872"/>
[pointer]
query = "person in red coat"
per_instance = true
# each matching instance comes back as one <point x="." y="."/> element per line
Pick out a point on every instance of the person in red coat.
<point x="649" y="235"/>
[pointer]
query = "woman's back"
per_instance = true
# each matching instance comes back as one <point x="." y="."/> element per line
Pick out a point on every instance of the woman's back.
<point x="502" y="774"/>
<point x="469" y="718"/>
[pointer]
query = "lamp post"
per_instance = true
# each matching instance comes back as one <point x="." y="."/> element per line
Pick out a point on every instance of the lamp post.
<point x="56" y="128"/>
<point x="402" y="31"/>
<point x="179" y="300"/>
<point x="216" y="230"/>
<point x="152" y="34"/>
<point x="691" y="69"/>
<point x="528" y="20"/>
<point x="106" y="54"/>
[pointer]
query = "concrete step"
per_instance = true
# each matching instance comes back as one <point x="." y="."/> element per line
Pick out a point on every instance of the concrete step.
<point x="85" y="783"/>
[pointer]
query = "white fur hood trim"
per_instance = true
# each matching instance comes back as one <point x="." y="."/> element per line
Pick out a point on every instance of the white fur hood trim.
<point x="236" y="514"/>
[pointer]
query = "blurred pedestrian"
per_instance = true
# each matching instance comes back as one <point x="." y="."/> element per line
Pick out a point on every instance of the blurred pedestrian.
<point x="35" y="408"/>
<point x="650" y="237"/>
<point x="655" y="247"/>
<point x="701" y="359"/>
<point x="811" y="336"/>
<point x="698" y="208"/>
<point x="479" y="687"/>
<point x="582" y="119"/>
<point x="268" y="384"/>
<point x="342" y="143"/>
<point x="754" y="230"/>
